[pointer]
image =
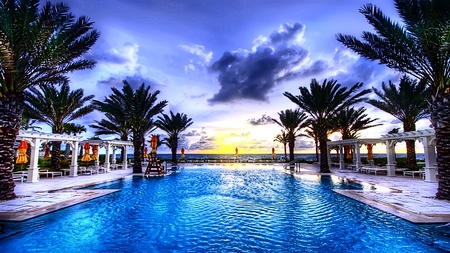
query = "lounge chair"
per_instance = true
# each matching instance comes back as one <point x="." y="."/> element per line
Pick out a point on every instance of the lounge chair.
<point x="413" y="173"/>
<point x="52" y="173"/>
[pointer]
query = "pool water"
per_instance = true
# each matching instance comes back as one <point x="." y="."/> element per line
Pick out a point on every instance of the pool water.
<point x="223" y="209"/>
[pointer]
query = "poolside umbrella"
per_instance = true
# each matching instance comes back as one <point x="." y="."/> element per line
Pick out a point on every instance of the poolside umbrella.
<point x="369" y="152"/>
<point x="94" y="152"/>
<point x="47" y="151"/>
<point x="154" y="144"/>
<point x="22" y="157"/>
<point x="348" y="153"/>
<point x="86" y="157"/>
<point x="273" y="153"/>
<point x="236" y="155"/>
<point x="182" y="153"/>
<point x="145" y="152"/>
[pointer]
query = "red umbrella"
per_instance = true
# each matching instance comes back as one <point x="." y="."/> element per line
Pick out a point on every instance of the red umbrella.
<point x="22" y="157"/>
<point x="348" y="152"/>
<point x="182" y="153"/>
<point x="145" y="152"/>
<point x="236" y="152"/>
<point x="369" y="152"/>
<point x="273" y="153"/>
<point x="47" y="151"/>
<point x="94" y="152"/>
<point x="86" y="157"/>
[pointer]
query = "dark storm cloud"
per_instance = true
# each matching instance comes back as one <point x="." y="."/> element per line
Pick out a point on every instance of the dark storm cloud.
<point x="135" y="81"/>
<point x="252" y="74"/>
<point x="264" y="120"/>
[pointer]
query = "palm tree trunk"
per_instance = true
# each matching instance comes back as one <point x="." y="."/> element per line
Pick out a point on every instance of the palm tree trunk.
<point x="285" y="152"/>
<point x="138" y="143"/>
<point x="11" y="109"/>
<point x="411" y="154"/>
<point x="56" y="155"/>
<point x="67" y="152"/>
<point x="174" y="150"/>
<point x="411" y="161"/>
<point x="291" y="149"/>
<point x="440" y="116"/>
<point x="324" y="168"/>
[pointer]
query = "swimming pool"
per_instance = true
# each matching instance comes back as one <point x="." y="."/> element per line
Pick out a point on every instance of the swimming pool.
<point x="224" y="209"/>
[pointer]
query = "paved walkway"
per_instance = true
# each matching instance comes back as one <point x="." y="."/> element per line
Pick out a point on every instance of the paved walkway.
<point x="406" y="197"/>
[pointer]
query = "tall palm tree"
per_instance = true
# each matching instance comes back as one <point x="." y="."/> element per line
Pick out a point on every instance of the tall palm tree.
<point x="292" y="121"/>
<point x="420" y="48"/>
<point x="37" y="47"/>
<point x="72" y="128"/>
<point x="408" y="104"/>
<point x="137" y="108"/>
<point x="283" y="139"/>
<point x="115" y="121"/>
<point x="311" y="132"/>
<point x="323" y="102"/>
<point x="173" y="125"/>
<point x="350" y="121"/>
<point x="55" y="108"/>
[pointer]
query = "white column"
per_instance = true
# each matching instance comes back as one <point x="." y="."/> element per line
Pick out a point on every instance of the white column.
<point x="124" y="159"/>
<point x="33" y="170"/>
<point x="108" y="147"/>
<point x="390" y="151"/>
<point x="74" y="163"/>
<point x="430" y="160"/>
<point x="357" y="156"/>
<point x="113" y="158"/>
<point x="341" y="157"/>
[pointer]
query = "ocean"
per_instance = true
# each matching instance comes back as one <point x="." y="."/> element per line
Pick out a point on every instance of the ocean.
<point x="304" y="157"/>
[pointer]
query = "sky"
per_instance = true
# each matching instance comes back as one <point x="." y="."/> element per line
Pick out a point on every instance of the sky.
<point x="181" y="48"/>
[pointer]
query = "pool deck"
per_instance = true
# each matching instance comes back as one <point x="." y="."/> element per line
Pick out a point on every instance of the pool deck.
<point x="409" y="198"/>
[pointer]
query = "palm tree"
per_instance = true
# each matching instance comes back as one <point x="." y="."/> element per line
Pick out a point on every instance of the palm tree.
<point x="173" y="125"/>
<point x="137" y="108"/>
<point x="55" y="108"/>
<point x="292" y="121"/>
<point x="421" y="49"/>
<point x="115" y="122"/>
<point x="323" y="102"/>
<point x="72" y="128"/>
<point x="283" y="139"/>
<point x="311" y="132"/>
<point x="37" y="47"/>
<point x="350" y="121"/>
<point x="408" y="104"/>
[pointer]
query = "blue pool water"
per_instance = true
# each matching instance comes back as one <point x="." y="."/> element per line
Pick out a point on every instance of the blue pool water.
<point x="223" y="209"/>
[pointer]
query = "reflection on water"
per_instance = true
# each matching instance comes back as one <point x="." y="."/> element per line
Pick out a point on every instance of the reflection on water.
<point x="224" y="209"/>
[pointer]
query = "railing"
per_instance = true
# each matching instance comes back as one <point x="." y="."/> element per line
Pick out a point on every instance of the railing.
<point x="290" y="164"/>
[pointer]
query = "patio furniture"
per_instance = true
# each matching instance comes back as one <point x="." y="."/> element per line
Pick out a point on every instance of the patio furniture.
<point x="375" y="170"/>
<point x="20" y="176"/>
<point x="52" y="173"/>
<point x="65" y="172"/>
<point x="413" y="173"/>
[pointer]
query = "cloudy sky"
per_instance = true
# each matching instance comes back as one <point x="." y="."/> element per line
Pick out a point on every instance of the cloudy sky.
<point x="181" y="47"/>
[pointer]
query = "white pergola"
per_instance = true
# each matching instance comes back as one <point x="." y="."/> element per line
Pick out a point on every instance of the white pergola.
<point x="108" y="145"/>
<point x="426" y="137"/>
<point x="36" y="139"/>
<point x="355" y="144"/>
